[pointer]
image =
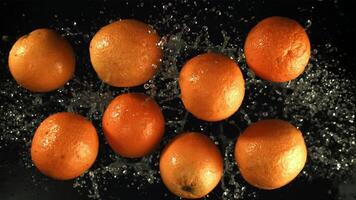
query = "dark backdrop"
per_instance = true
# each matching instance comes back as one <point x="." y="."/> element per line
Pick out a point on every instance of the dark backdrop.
<point x="332" y="22"/>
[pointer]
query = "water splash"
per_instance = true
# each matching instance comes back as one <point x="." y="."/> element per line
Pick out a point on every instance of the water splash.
<point x="321" y="103"/>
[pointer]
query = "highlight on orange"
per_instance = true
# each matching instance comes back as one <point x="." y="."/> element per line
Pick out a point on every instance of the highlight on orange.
<point x="212" y="86"/>
<point x="125" y="53"/>
<point x="42" y="61"/>
<point x="191" y="165"/>
<point x="133" y="125"/>
<point x="64" y="146"/>
<point x="270" y="153"/>
<point x="277" y="49"/>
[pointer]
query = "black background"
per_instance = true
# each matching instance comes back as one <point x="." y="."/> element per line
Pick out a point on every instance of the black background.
<point x="332" y="22"/>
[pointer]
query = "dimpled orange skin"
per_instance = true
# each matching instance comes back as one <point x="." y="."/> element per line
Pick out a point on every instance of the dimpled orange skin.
<point x="42" y="61"/>
<point x="270" y="153"/>
<point x="133" y="125"/>
<point x="277" y="49"/>
<point x="64" y="146"/>
<point x="125" y="53"/>
<point x="191" y="165"/>
<point x="212" y="86"/>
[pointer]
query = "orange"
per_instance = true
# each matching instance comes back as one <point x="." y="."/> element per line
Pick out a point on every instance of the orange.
<point x="64" y="146"/>
<point x="212" y="86"/>
<point x="125" y="53"/>
<point x="270" y="153"/>
<point x="191" y="165"/>
<point x="277" y="49"/>
<point x="133" y="125"/>
<point x="42" y="61"/>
